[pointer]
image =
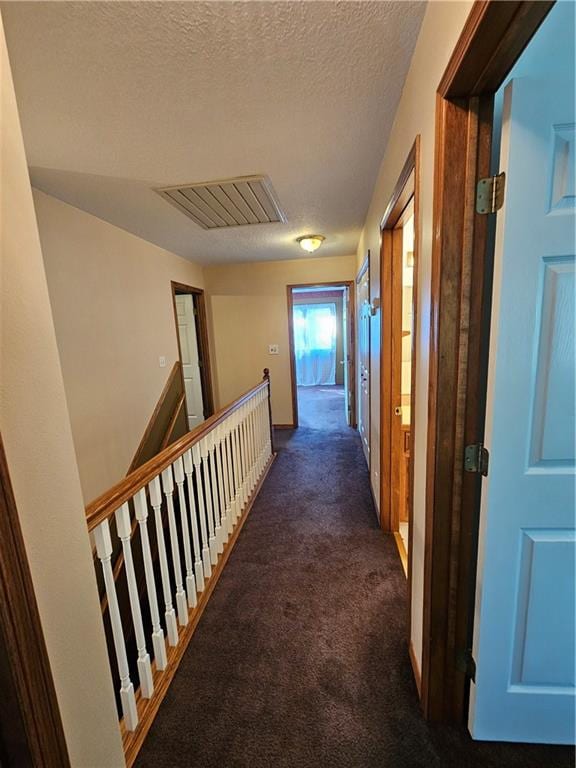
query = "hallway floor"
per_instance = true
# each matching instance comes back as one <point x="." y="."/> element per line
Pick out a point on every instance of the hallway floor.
<point x="322" y="407"/>
<point x="300" y="659"/>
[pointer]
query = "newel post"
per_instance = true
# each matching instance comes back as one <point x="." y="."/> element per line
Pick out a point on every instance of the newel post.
<point x="267" y="378"/>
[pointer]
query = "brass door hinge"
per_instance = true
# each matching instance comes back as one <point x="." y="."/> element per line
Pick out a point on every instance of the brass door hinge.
<point x="490" y="194"/>
<point x="476" y="459"/>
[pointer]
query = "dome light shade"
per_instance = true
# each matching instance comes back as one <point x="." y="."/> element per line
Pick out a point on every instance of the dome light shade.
<point x="310" y="243"/>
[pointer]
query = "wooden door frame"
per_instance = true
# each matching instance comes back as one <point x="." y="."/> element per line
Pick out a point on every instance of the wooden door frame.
<point x="203" y="344"/>
<point x="351" y="323"/>
<point x="361" y="272"/>
<point x="407" y="188"/>
<point x="494" y="36"/>
<point x="29" y="703"/>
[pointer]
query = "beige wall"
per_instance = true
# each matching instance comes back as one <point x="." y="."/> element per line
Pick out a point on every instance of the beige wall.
<point x="112" y="305"/>
<point x="249" y="311"/>
<point x="441" y="27"/>
<point x="37" y="437"/>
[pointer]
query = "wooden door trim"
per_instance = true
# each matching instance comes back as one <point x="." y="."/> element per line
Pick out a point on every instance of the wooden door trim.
<point x="35" y="725"/>
<point x="351" y="321"/>
<point x="203" y="344"/>
<point x="494" y="35"/>
<point x="406" y="188"/>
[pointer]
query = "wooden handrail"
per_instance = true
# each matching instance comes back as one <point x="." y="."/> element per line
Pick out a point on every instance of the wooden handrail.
<point x="106" y="504"/>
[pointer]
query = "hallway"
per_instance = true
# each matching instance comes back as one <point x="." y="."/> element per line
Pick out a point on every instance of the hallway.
<point x="300" y="658"/>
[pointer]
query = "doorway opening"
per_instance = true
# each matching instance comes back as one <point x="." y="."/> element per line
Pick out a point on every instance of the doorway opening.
<point x="364" y="310"/>
<point x="402" y="335"/>
<point x="321" y="355"/>
<point x="399" y="275"/>
<point x="192" y="336"/>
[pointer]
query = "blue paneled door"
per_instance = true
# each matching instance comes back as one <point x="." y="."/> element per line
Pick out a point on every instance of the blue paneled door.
<point x="525" y="619"/>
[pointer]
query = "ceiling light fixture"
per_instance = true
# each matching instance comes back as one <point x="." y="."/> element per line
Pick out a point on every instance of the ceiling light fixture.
<point x="310" y="243"/>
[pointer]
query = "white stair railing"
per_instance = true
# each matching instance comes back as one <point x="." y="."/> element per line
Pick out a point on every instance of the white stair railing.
<point x="199" y="490"/>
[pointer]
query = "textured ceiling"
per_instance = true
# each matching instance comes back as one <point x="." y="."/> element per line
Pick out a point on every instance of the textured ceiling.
<point x="118" y="98"/>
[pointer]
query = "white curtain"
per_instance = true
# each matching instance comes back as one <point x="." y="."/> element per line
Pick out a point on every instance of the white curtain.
<point x="315" y="343"/>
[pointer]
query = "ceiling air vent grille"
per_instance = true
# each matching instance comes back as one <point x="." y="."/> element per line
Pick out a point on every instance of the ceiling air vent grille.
<point x="229" y="203"/>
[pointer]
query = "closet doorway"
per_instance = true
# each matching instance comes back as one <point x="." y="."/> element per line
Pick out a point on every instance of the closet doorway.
<point x="321" y="320"/>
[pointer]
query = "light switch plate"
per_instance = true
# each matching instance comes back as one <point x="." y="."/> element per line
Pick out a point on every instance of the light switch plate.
<point x="273" y="349"/>
<point x="162" y="361"/>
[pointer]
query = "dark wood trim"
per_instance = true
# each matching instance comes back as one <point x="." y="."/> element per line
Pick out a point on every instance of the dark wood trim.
<point x="31" y="731"/>
<point x="176" y="371"/>
<point x="203" y="342"/>
<point x="101" y="508"/>
<point x="148" y="708"/>
<point x="350" y="285"/>
<point x="493" y="37"/>
<point x="283" y="426"/>
<point x="173" y="420"/>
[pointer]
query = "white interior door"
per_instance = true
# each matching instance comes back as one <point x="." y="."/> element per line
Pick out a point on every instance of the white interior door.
<point x="525" y="618"/>
<point x="364" y="363"/>
<point x="190" y="359"/>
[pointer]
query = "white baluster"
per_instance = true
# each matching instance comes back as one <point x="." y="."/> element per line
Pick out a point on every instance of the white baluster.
<point x="261" y="430"/>
<point x="127" y="698"/>
<point x="245" y="456"/>
<point x="197" y="459"/>
<point x="235" y="464"/>
<point x="124" y="529"/>
<point x="181" y="606"/>
<point x="252" y="444"/>
<point x="170" y="614"/>
<point x="242" y="445"/>
<point x="190" y="580"/>
<point x="212" y="543"/>
<point x="198" y="569"/>
<point x="215" y="502"/>
<point x="221" y="491"/>
<point x="257" y="434"/>
<point x="158" y="642"/>
<point x="228" y="482"/>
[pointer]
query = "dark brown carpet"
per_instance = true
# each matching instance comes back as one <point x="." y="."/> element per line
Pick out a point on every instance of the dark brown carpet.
<point x="300" y="659"/>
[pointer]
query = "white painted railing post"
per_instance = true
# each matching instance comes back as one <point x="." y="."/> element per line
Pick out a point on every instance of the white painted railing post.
<point x="158" y="641"/>
<point x="124" y="528"/>
<point x="212" y="542"/>
<point x="221" y="496"/>
<point x="226" y="472"/>
<point x="236" y="464"/>
<point x="128" y="700"/>
<point x="190" y="580"/>
<point x="198" y="569"/>
<point x="218" y="533"/>
<point x="181" y="603"/>
<point x="170" y="614"/>
<point x="206" y="553"/>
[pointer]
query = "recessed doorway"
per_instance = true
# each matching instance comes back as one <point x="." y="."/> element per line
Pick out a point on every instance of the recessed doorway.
<point x="191" y="332"/>
<point x="321" y="352"/>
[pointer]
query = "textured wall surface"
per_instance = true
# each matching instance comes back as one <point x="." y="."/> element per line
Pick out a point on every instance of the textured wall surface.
<point x="249" y="311"/>
<point x="118" y="98"/>
<point x="112" y="304"/>
<point x="38" y="442"/>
